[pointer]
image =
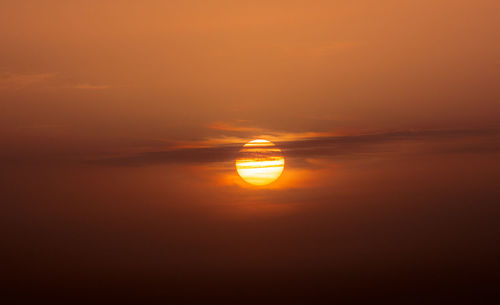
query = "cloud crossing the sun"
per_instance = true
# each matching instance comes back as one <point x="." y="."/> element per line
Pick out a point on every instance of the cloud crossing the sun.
<point x="471" y="141"/>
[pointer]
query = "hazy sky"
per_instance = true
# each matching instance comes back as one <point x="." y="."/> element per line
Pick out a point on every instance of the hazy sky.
<point x="166" y="69"/>
<point x="120" y="122"/>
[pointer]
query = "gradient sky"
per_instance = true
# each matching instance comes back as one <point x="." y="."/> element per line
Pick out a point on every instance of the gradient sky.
<point x="120" y="124"/>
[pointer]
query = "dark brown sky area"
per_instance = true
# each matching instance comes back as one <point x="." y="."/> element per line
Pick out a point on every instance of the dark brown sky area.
<point x="120" y="122"/>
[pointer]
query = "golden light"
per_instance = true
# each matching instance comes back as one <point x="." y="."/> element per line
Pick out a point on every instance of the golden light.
<point x="260" y="162"/>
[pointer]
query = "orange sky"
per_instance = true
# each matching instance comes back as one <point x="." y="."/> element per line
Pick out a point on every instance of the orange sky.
<point x="138" y="71"/>
<point x="120" y="122"/>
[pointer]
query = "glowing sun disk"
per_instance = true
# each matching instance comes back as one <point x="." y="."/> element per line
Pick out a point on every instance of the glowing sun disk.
<point x="260" y="162"/>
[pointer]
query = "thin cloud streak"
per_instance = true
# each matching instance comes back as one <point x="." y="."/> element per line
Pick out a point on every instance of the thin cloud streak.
<point x="21" y="80"/>
<point x="91" y="87"/>
<point x="320" y="147"/>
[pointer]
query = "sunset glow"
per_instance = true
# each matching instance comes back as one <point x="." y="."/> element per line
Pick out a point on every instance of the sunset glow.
<point x="143" y="147"/>
<point x="260" y="162"/>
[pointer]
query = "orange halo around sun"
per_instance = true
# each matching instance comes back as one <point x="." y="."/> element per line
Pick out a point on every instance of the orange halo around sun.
<point x="260" y="162"/>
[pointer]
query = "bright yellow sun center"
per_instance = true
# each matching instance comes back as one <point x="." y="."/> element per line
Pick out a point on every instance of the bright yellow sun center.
<point x="260" y="162"/>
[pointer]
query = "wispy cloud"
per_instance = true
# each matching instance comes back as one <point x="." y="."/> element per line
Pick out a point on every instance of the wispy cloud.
<point x="224" y="126"/>
<point x="325" y="146"/>
<point x="87" y="86"/>
<point x="17" y="81"/>
<point x="243" y="131"/>
<point x="22" y="80"/>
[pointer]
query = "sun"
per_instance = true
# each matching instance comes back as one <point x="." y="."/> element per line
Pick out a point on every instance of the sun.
<point x="260" y="162"/>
